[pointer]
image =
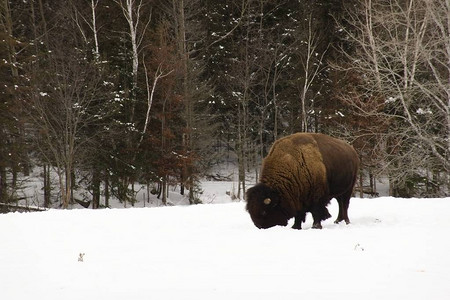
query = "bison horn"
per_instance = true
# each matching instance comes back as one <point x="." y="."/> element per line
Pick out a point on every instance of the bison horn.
<point x="267" y="201"/>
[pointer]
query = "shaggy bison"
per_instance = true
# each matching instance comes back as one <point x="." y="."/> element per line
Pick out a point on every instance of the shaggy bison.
<point x="301" y="174"/>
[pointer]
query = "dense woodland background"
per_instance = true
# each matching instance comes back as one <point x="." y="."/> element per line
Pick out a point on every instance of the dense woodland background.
<point x="105" y="93"/>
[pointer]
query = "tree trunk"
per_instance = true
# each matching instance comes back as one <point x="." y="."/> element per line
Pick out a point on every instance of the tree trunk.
<point x="44" y="24"/>
<point x="164" y="190"/>
<point x="11" y="45"/>
<point x="94" y="28"/>
<point x="3" y="185"/>
<point x="95" y="189"/>
<point x="67" y="190"/>
<point x="106" y="188"/>
<point x="180" y="35"/>
<point x="61" y="187"/>
<point x="361" y="181"/>
<point x="47" y="186"/>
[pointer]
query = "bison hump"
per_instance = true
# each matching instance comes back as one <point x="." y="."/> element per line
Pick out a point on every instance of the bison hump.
<point x="295" y="168"/>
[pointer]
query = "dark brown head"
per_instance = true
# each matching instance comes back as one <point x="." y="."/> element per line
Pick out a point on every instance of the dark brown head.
<point x="264" y="207"/>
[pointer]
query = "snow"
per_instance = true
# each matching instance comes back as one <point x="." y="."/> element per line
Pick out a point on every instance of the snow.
<point x="391" y="100"/>
<point x="393" y="249"/>
<point x="421" y="111"/>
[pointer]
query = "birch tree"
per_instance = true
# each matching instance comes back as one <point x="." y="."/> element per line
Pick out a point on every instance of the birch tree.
<point x="90" y="19"/>
<point x="138" y="19"/>
<point x="134" y="14"/>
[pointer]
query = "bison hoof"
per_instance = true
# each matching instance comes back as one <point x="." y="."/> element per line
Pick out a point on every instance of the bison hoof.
<point x="317" y="226"/>
<point x="297" y="226"/>
<point x="347" y="221"/>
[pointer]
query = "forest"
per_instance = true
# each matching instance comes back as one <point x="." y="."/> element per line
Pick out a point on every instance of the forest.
<point x="100" y="94"/>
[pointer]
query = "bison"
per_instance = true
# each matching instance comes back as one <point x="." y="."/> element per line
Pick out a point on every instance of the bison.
<point x="301" y="174"/>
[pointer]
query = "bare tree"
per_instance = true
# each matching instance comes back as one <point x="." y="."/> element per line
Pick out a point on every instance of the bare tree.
<point x="12" y="150"/>
<point x="402" y="54"/>
<point x="63" y="114"/>
<point x="312" y="61"/>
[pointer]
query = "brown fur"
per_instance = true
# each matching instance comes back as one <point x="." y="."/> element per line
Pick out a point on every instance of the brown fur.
<point x="301" y="174"/>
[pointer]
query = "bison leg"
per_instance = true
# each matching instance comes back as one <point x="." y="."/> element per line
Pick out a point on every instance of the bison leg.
<point x="299" y="219"/>
<point x="317" y="225"/>
<point x="297" y="224"/>
<point x="344" y="202"/>
<point x="319" y="214"/>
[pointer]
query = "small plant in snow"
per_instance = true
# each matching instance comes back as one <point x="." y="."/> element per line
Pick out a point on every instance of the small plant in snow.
<point x="358" y="247"/>
<point x="81" y="257"/>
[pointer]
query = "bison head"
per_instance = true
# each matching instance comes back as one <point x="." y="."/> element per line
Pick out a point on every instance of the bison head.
<point x="264" y="207"/>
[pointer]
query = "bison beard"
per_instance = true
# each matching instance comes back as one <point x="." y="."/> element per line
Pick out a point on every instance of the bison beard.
<point x="301" y="174"/>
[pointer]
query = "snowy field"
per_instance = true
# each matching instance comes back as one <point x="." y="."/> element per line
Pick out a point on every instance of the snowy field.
<point x="394" y="249"/>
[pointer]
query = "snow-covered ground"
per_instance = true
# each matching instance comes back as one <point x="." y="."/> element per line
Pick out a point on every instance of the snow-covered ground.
<point x="394" y="249"/>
